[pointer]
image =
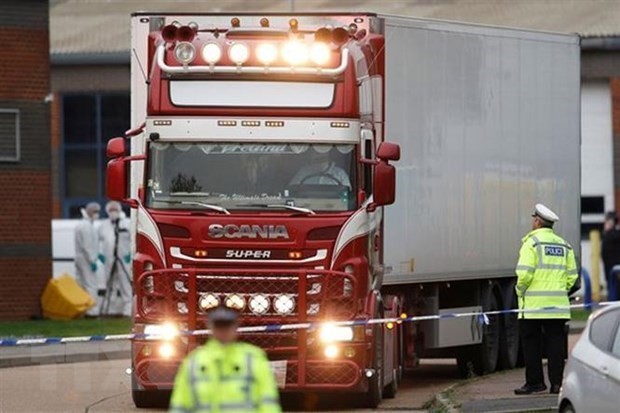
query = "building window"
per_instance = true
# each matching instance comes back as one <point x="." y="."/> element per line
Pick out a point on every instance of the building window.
<point x="592" y="205"/>
<point x="9" y="135"/>
<point x="89" y="121"/>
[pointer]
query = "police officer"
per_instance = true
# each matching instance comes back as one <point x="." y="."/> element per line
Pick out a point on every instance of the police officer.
<point x="225" y="375"/>
<point x="546" y="273"/>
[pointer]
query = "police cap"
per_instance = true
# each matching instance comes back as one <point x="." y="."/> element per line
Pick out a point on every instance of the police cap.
<point x="223" y="315"/>
<point x="545" y="213"/>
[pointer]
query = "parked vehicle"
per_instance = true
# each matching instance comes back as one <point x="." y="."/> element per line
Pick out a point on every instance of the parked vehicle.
<point x="592" y="374"/>
<point x="261" y="171"/>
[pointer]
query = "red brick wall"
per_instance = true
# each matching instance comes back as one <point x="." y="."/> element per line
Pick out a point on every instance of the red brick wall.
<point x="25" y="204"/>
<point x="26" y="221"/>
<point x="23" y="281"/>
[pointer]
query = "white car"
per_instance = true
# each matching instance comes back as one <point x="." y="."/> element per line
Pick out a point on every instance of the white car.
<point x="592" y="374"/>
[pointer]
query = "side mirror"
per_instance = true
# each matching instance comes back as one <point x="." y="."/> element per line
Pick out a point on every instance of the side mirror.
<point x="116" y="179"/>
<point x="115" y="148"/>
<point x="384" y="184"/>
<point x="388" y="151"/>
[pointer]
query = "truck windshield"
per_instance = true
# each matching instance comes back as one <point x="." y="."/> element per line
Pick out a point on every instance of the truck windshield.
<point x="318" y="177"/>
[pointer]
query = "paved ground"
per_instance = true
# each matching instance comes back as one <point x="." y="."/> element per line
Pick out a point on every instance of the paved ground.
<point x="495" y="393"/>
<point x="103" y="386"/>
<point x="64" y="353"/>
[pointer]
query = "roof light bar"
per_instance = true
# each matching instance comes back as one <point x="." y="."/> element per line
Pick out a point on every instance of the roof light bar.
<point x="320" y="71"/>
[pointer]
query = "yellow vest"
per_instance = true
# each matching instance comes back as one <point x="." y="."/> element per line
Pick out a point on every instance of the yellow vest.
<point x="232" y="378"/>
<point x="546" y="271"/>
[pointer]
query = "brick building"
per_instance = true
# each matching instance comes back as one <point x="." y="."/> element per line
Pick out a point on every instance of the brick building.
<point x="25" y="178"/>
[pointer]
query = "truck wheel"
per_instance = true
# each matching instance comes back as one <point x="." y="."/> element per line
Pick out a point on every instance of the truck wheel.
<point x="465" y="363"/>
<point x="486" y="354"/>
<point x="509" y="342"/>
<point x="149" y="399"/>
<point x="389" y="391"/>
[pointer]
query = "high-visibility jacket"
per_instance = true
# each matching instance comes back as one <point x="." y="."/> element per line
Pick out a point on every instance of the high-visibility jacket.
<point x="546" y="271"/>
<point x="231" y="378"/>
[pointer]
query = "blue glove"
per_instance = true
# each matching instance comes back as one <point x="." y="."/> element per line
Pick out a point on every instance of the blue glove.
<point x="127" y="259"/>
<point x="101" y="258"/>
<point x="93" y="266"/>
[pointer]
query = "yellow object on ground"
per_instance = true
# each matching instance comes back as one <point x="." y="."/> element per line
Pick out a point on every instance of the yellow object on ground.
<point x="595" y="258"/>
<point x="64" y="299"/>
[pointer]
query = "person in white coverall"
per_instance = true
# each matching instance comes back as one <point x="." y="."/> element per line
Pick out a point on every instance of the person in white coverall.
<point x="87" y="254"/>
<point x="117" y="226"/>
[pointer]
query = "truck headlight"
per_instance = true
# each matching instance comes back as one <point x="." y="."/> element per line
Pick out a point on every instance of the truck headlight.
<point x="295" y="53"/>
<point x="259" y="304"/>
<point x="330" y="333"/>
<point x="211" y="53"/>
<point x="185" y="53"/>
<point x="267" y="53"/>
<point x="235" y="301"/>
<point x="208" y="301"/>
<point x="320" y="53"/>
<point x="238" y="53"/>
<point x="284" y="304"/>
<point x="165" y="332"/>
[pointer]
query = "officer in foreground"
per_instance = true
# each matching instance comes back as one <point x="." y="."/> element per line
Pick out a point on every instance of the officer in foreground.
<point x="546" y="273"/>
<point x="225" y="375"/>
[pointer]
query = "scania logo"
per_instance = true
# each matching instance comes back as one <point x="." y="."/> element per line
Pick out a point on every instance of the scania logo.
<point x="248" y="231"/>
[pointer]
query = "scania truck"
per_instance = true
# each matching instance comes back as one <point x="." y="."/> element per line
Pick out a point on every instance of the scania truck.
<point x="269" y="152"/>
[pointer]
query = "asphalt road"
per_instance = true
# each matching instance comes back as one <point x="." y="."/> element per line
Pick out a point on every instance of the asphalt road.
<point x="104" y="386"/>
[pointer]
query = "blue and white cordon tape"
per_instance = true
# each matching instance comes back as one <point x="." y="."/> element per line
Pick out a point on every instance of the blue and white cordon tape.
<point x="483" y="318"/>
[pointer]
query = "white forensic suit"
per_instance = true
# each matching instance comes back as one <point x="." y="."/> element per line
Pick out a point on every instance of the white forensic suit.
<point x="119" y="292"/>
<point x="86" y="256"/>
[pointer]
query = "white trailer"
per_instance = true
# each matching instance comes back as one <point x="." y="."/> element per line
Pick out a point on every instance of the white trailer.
<point x="488" y="121"/>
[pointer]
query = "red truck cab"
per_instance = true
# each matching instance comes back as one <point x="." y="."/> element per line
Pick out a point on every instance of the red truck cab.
<point x="258" y="180"/>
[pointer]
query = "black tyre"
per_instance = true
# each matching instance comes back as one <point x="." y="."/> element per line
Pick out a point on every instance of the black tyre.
<point x="389" y="391"/>
<point x="486" y="356"/>
<point x="465" y="363"/>
<point x="509" y="339"/>
<point x="149" y="399"/>
<point x="566" y="407"/>
<point x="483" y="358"/>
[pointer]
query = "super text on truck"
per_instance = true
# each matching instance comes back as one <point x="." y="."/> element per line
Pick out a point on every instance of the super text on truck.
<point x="268" y="148"/>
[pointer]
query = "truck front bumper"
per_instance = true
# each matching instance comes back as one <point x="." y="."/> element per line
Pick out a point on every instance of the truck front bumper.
<point x="153" y="372"/>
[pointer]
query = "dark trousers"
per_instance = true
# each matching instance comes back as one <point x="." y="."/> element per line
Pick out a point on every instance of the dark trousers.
<point x="536" y="333"/>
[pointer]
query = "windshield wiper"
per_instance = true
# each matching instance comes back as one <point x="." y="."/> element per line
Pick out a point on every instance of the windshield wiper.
<point x="207" y="206"/>
<point x="307" y="211"/>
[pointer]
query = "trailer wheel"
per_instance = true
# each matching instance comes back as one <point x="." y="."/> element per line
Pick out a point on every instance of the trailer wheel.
<point x="465" y="363"/>
<point x="509" y="344"/>
<point x="487" y="355"/>
<point x="483" y="358"/>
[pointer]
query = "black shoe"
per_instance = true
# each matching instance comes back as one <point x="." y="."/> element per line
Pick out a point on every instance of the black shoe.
<point x="528" y="389"/>
<point x="555" y="389"/>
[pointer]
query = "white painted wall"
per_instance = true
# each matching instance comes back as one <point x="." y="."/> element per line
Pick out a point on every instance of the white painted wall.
<point x="597" y="167"/>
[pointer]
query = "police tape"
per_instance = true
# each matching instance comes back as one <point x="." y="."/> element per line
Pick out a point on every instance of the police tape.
<point x="481" y="316"/>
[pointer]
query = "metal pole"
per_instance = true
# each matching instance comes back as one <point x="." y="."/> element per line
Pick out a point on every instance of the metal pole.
<point x="595" y="257"/>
